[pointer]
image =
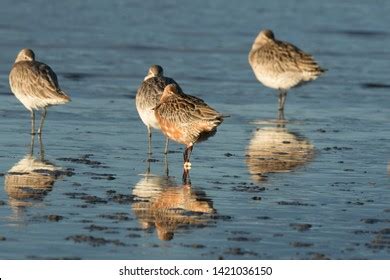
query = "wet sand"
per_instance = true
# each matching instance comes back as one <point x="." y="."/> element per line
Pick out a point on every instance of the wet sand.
<point x="316" y="187"/>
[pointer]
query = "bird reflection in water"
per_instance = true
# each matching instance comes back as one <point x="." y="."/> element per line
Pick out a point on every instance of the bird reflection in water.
<point x="30" y="180"/>
<point x="275" y="149"/>
<point x="166" y="206"/>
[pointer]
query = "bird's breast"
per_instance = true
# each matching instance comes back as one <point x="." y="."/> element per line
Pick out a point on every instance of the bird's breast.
<point x="172" y="130"/>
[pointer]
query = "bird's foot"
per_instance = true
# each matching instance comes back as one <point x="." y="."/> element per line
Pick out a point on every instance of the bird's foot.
<point x="187" y="165"/>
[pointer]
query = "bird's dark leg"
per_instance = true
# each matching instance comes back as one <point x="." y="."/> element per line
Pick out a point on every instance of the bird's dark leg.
<point x="186" y="155"/>
<point x="166" y="145"/>
<point x="42" y="121"/>
<point x="282" y="99"/>
<point x="149" y="140"/>
<point x="32" y="122"/>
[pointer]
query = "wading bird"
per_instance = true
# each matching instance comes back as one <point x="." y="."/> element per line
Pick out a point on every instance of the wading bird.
<point x="186" y="119"/>
<point x="281" y="65"/>
<point x="35" y="85"/>
<point x="148" y="96"/>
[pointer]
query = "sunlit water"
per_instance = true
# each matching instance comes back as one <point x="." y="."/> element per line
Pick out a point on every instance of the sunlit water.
<point x="316" y="187"/>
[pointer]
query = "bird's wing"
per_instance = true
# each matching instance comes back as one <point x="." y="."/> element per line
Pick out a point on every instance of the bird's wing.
<point x="295" y="58"/>
<point x="48" y="76"/>
<point x="150" y="90"/>
<point x="186" y="110"/>
<point x="194" y="99"/>
<point x="282" y="57"/>
<point x="35" y="79"/>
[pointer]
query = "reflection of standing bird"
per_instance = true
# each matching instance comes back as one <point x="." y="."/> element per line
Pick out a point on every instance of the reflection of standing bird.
<point x="29" y="179"/>
<point x="280" y="65"/>
<point x="186" y="119"/>
<point x="164" y="205"/>
<point x="148" y="96"/>
<point x="35" y="85"/>
<point x="276" y="150"/>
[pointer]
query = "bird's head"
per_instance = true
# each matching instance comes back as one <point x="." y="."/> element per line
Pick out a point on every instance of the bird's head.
<point x="154" y="71"/>
<point x="25" y="55"/>
<point x="264" y="36"/>
<point x="170" y="90"/>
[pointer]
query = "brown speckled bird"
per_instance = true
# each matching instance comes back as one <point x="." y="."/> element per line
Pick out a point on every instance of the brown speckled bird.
<point x="148" y="96"/>
<point x="186" y="119"/>
<point x="35" y="85"/>
<point x="281" y="65"/>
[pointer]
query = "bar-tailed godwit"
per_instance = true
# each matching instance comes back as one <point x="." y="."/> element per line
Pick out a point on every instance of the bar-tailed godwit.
<point x="148" y="96"/>
<point x="35" y="85"/>
<point x="185" y="119"/>
<point x="281" y="65"/>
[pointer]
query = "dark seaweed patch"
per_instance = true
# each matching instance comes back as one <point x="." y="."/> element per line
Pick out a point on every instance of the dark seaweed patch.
<point x="94" y="227"/>
<point x="116" y="216"/>
<point x="54" y="218"/>
<point x="244" y="239"/>
<point x="134" y="235"/>
<point x="301" y="227"/>
<point x="263" y="218"/>
<point x="100" y="176"/>
<point x="239" y="252"/>
<point x="94" y="241"/>
<point x="250" y="189"/>
<point x="193" y="246"/>
<point x="298" y="244"/>
<point x="121" y="198"/>
<point x="84" y="159"/>
<point x="374" y="221"/>
<point x="374" y="85"/>
<point x="294" y="203"/>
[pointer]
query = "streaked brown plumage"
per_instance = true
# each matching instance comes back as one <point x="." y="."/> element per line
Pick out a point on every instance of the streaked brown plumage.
<point x="186" y="119"/>
<point x="35" y="85"/>
<point x="148" y="96"/>
<point x="281" y="65"/>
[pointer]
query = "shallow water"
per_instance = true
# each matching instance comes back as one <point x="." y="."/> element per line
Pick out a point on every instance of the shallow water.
<point x="316" y="187"/>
